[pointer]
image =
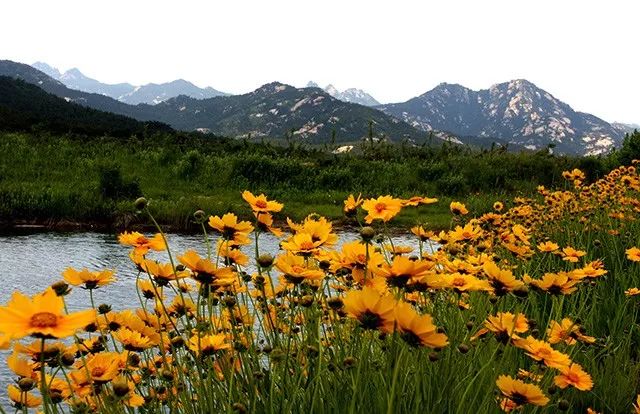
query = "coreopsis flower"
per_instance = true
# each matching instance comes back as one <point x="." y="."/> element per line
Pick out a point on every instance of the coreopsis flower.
<point x="590" y="270"/>
<point x="351" y="204"/>
<point x="554" y="283"/>
<point x="504" y="325"/>
<point x="502" y="281"/>
<point x="22" y="399"/>
<point x="632" y="292"/>
<point x="231" y="229"/>
<point x="548" y="247"/>
<point x="382" y="208"/>
<point x="458" y="282"/>
<point x="124" y="389"/>
<point x="86" y="278"/>
<point x="575" y="376"/>
<point x="417" y="200"/>
<point x="42" y="317"/>
<point x="141" y="244"/>
<point x="636" y="406"/>
<point x="162" y="273"/>
<point x="543" y="351"/>
<point x="421" y="233"/>
<point x="418" y="330"/>
<point x="520" y="393"/>
<point x="402" y="269"/>
<point x="146" y="288"/>
<point x="568" y="332"/>
<point x="633" y="254"/>
<point x="458" y="208"/>
<point x="260" y="204"/>
<point x="319" y="228"/>
<point x="302" y="243"/>
<point x="208" y="344"/>
<point x="231" y="253"/>
<point x="572" y="255"/>
<point x="296" y="269"/>
<point x="264" y="222"/>
<point x="205" y="271"/>
<point x="100" y="368"/>
<point x="370" y="308"/>
<point x="498" y="206"/>
<point x="468" y="232"/>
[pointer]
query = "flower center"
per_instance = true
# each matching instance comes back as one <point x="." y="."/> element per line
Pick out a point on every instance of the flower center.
<point x="44" y="320"/>
<point x="97" y="372"/>
<point x="307" y="245"/>
<point x="380" y="207"/>
<point x="297" y="269"/>
<point x="261" y="204"/>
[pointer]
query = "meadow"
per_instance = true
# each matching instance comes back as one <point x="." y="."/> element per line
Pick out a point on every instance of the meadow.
<point x="530" y="305"/>
<point x="52" y="179"/>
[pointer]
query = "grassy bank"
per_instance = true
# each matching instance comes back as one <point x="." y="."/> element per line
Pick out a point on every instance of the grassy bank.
<point x="59" y="179"/>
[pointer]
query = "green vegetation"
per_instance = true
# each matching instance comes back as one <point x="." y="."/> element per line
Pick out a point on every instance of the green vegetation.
<point x="51" y="178"/>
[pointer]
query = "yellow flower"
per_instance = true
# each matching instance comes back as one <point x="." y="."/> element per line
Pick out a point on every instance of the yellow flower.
<point x="265" y="224"/>
<point x="498" y="206"/>
<point x="208" y="344"/>
<point x="100" y="368"/>
<point x="502" y="281"/>
<point x="575" y="376"/>
<point x="205" y="271"/>
<point x="403" y="269"/>
<point x="417" y="200"/>
<point x="521" y="393"/>
<point x="554" y="283"/>
<point x="231" y="229"/>
<point x="372" y="309"/>
<point x="632" y="292"/>
<point x="22" y="399"/>
<point x="505" y="326"/>
<point x="41" y="317"/>
<point x="548" y="247"/>
<point x="351" y="204"/>
<point x="140" y="243"/>
<point x="90" y="280"/>
<point x="458" y="208"/>
<point x="572" y="255"/>
<point x="542" y="351"/>
<point x="260" y="204"/>
<point x="418" y="330"/>
<point x="382" y="208"/>
<point x="633" y="254"/>
<point x="568" y="332"/>
<point x="296" y="269"/>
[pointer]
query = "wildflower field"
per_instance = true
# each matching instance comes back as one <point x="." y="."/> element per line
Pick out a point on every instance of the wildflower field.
<point x="531" y="307"/>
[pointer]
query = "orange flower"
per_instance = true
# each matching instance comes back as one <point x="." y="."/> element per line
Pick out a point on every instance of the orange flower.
<point x="520" y="393"/>
<point x="260" y="204"/>
<point x="458" y="208"/>
<point x="372" y="309"/>
<point x="633" y="254"/>
<point x="575" y="376"/>
<point x="42" y="317"/>
<point x="382" y="208"/>
<point x="140" y="243"/>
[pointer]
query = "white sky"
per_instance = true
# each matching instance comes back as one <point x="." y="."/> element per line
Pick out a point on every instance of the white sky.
<point x="586" y="53"/>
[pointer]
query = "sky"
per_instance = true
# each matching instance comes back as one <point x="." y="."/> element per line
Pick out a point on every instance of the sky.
<point x="586" y="53"/>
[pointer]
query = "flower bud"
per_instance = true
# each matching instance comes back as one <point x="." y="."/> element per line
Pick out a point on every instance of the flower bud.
<point x="61" y="288"/>
<point x="141" y="203"/>
<point x="265" y="260"/>
<point x="199" y="216"/>
<point x="104" y="308"/>
<point x="26" y="384"/>
<point x="367" y="233"/>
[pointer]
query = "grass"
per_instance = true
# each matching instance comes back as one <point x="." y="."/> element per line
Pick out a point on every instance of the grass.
<point x="61" y="179"/>
<point x="356" y="329"/>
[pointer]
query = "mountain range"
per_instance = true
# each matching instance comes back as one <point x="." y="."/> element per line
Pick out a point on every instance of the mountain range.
<point x="151" y="93"/>
<point x="515" y="112"/>
<point x="352" y="95"/>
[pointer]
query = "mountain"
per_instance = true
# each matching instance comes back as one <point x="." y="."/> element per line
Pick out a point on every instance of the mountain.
<point x="91" y="100"/>
<point x="625" y="128"/>
<point x="151" y="93"/>
<point x="75" y="79"/>
<point x="351" y="95"/>
<point x="24" y="106"/>
<point x="272" y="110"/>
<point x="516" y="111"/>
<point x="276" y="109"/>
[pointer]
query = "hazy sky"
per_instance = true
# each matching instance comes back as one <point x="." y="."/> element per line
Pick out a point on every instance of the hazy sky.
<point x="586" y="53"/>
